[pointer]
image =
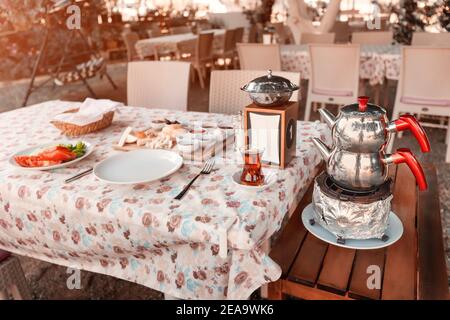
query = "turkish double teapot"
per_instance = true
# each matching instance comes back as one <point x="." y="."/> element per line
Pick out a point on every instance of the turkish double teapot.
<point x="360" y="134"/>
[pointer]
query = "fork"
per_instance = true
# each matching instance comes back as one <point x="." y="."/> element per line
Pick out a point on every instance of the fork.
<point x="209" y="165"/>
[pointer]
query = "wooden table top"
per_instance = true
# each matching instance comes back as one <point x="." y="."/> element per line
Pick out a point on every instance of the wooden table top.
<point x="412" y="268"/>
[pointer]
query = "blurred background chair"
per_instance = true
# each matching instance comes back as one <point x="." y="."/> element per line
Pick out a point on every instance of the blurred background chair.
<point x="417" y="91"/>
<point x="281" y="31"/>
<point x="158" y="84"/>
<point x="12" y="280"/>
<point x="308" y="38"/>
<point x="130" y="39"/>
<point x="227" y="51"/>
<point x="373" y="37"/>
<point x="255" y="56"/>
<point x="342" y="32"/>
<point x="431" y="39"/>
<point x="180" y="30"/>
<point x="202" y="57"/>
<point x="334" y="77"/>
<point x="224" y="97"/>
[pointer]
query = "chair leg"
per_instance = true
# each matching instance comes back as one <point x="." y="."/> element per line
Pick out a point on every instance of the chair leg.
<point x="447" y="155"/>
<point x="308" y="109"/>
<point x="200" y="77"/>
<point x="111" y="81"/>
<point x="447" y="136"/>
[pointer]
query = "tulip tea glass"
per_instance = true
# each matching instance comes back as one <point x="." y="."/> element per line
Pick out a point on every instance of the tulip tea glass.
<point x="252" y="171"/>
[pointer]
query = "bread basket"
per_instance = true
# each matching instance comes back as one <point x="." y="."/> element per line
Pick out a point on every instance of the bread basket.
<point x="73" y="130"/>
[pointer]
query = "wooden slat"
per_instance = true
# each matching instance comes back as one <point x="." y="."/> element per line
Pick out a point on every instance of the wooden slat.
<point x="358" y="283"/>
<point x="432" y="278"/>
<point x="309" y="260"/>
<point x="336" y="269"/>
<point x="287" y="245"/>
<point x="309" y="293"/>
<point x="400" y="274"/>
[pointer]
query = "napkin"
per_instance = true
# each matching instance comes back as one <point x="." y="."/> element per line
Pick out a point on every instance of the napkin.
<point x="91" y="110"/>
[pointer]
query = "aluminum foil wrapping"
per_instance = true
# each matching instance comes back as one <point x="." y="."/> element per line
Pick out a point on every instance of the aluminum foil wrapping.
<point x="351" y="220"/>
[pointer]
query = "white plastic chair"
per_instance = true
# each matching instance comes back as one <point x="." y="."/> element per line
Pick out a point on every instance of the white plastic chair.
<point x="431" y="39"/>
<point x="255" y="56"/>
<point x="424" y="86"/>
<point x="373" y="37"/>
<point x="334" y="75"/>
<point x="225" y="95"/>
<point x="309" y="38"/>
<point x="158" y="84"/>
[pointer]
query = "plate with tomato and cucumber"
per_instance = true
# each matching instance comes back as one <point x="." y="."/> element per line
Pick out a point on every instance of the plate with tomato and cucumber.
<point x="51" y="155"/>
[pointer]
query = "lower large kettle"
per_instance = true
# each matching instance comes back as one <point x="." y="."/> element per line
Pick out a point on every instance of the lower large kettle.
<point x="366" y="171"/>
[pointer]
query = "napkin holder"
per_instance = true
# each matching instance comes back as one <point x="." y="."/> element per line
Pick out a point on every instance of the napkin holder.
<point x="274" y="129"/>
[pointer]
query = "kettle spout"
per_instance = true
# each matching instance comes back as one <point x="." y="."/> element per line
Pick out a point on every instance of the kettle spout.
<point x="328" y="117"/>
<point x="323" y="148"/>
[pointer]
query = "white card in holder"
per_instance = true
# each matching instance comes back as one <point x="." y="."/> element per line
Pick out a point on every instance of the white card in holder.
<point x="265" y="133"/>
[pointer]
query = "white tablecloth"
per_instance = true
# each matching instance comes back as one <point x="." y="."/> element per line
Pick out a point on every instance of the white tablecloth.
<point x="378" y="62"/>
<point x="148" y="47"/>
<point x="139" y="232"/>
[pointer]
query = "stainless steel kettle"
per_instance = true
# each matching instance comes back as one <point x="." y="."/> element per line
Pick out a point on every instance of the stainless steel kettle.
<point x="366" y="171"/>
<point x="364" y="127"/>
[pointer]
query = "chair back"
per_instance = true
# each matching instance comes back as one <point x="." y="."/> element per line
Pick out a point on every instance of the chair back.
<point x="255" y="56"/>
<point x="204" y="48"/>
<point x="342" y="32"/>
<point x="180" y="30"/>
<point x="334" y="69"/>
<point x="229" y="43"/>
<point x="130" y="39"/>
<point x="253" y="34"/>
<point x="431" y="39"/>
<point x="225" y="95"/>
<point x="308" y="38"/>
<point x="239" y="35"/>
<point x="372" y="37"/>
<point x="424" y="75"/>
<point x="281" y="32"/>
<point x="158" y="84"/>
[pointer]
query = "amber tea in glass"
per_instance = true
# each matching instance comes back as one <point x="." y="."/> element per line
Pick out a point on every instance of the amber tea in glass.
<point x="252" y="172"/>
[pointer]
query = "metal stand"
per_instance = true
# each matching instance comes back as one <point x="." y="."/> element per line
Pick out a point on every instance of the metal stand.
<point x="32" y="87"/>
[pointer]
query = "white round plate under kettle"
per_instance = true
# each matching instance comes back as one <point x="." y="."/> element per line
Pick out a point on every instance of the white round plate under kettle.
<point x="270" y="177"/>
<point x="394" y="231"/>
<point x="139" y="166"/>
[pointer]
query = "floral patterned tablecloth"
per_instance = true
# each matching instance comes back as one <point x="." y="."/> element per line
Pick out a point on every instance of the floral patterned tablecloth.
<point x="171" y="43"/>
<point x="378" y="62"/>
<point x="207" y="246"/>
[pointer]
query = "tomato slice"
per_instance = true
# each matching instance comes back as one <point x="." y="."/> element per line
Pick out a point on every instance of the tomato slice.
<point x="49" y="157"/>
<point x="34" y="161"/>
<point x="58" y="153"/>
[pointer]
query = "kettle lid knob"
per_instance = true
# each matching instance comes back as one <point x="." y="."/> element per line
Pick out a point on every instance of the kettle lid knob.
<point x="362" y="101"/>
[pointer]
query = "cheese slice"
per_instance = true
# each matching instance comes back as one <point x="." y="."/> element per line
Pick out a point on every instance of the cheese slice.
<point x="124" y="136"/>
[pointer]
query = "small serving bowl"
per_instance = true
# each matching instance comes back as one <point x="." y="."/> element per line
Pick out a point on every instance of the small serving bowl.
<point x="187" y="143"/>
<point x="157" y="124"/>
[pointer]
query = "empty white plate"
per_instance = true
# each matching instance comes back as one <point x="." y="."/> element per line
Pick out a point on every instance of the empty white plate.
<point x="139" y="166"/>
<point x="394" y="231"/>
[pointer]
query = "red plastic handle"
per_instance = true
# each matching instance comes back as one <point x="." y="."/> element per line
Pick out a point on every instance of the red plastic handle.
<point x="405" y="155"/>
<point x="363" y="100"/>
<point x="409" y="122"/>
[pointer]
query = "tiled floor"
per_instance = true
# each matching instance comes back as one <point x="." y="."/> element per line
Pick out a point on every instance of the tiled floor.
<point x="49" y="281"/>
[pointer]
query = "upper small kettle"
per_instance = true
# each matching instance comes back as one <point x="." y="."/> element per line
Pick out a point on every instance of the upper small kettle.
<point x="364" y="127"/>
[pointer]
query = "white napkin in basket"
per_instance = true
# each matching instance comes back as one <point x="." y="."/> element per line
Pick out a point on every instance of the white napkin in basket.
<point x="91" y="110"/>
